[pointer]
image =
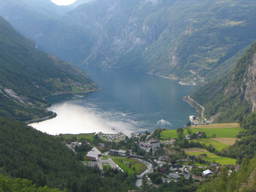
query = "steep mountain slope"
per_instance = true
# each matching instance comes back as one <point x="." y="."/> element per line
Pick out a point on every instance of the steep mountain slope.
<point x="232" y="96"/>
<point x="28" y="76"/>
<point x="42" y="22"/>
<point x="173" y="36"/>
<point x="184" y="39"/>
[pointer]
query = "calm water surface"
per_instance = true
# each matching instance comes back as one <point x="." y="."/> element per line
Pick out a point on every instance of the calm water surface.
<point x="125" y="102"/>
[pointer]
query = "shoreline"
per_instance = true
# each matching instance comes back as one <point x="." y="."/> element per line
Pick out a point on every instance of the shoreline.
<point x="181" y="82"/>
<point x="48" y="117"/>
<point x="49" y="104"/>
<point x="200" y="110"/>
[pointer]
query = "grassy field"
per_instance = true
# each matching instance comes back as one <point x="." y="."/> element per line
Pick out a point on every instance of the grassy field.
<point x="227" y="141"/>
<point x="216" y="144"/>
<point x="218" y="125"/>
<point x="129" y="165"/>
<point x="223" y="130"/>
<point x="210" y="157"/>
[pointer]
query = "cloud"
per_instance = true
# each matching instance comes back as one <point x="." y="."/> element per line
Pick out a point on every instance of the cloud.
<point x="63" y="2"/>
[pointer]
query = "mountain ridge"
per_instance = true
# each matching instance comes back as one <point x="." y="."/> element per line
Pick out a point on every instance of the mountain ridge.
<point x="28" y="76"/>
<point x="178" y="39"/>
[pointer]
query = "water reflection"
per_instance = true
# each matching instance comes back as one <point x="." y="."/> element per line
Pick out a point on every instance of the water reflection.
<point x="126" y="102"/>
<point x="75" y="119"/>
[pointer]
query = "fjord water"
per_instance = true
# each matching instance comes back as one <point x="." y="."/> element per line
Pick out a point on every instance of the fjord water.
<point x="126" y="102"/>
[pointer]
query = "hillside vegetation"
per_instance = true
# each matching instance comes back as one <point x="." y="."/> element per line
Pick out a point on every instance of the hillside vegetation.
<point x="45" y="160"/>
<point x="241" y="181"/>
<point x="233" y="95"/>
<point x="28" y="76"/>
<point x="244" y="150"/>
<point x="8" y="184"/>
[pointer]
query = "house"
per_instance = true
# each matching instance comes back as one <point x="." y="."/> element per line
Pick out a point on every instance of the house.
<point x="120" y="152"/>
<point x="155" y="144"/>
<point x="116" y="137"/>
<point x="151" y="145"/>
<point x="94" y="154"/>
<point x="207" y="173"/>
<point x="174" y="176"/>
<point x="73" y="145"/>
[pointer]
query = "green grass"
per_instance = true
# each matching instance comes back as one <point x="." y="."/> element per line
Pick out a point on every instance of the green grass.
<point x="216" y="144"/>
<point x="218" y="125"/>
<point x="130" y="166"/>
<point x="210" y="132"/>
<point x="210" y="157"/>
<point x="106" y="167"/>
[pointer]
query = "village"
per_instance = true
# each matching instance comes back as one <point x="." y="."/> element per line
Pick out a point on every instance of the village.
<point x="147" y="156"/>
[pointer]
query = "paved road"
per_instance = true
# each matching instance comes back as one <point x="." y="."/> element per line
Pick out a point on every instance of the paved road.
<point x="111" y="163"/>
<point x="149" y="170"/>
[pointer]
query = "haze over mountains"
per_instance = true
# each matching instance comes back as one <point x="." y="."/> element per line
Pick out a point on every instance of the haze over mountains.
<point x="208" y="43"/>
<point x="179" y="39"/>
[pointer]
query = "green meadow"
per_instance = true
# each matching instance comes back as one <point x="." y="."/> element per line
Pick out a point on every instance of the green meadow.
<point x="210" y="157"/>
<point x="129" y="165"/>
<point x="210" y="142"/>
<point x="212" y="131"/>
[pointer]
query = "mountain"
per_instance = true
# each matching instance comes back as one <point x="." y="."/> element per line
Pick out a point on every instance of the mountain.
<point x="178" y="39"/>
<point x="42" y="22"/>
<point x="29" y="76"/>
<point x="232" y="96"/>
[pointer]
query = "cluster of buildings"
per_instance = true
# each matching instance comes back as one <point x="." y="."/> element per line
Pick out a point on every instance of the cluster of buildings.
<point x="112" y="137"/>
<point x="151" y="145"/>
<point x="170" y="172"/>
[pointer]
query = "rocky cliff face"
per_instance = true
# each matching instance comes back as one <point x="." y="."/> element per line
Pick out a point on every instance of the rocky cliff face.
<point x="233" y="95"/>
<point x="178" y="39"/>
<point x="250" y="83"/>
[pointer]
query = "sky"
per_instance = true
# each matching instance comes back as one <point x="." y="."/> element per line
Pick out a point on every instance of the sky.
<point x="63" y="2"/>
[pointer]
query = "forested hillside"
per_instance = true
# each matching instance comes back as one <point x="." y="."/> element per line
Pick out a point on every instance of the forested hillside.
<point x="43" y="159"/>
<point x="28" y="76"/>
<point x="17" y="185"/>
<point x="183" y="39"/>
<point x="232" y="96"/>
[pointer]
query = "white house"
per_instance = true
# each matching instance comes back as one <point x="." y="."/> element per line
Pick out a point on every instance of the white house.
<point x="94" y="154"/>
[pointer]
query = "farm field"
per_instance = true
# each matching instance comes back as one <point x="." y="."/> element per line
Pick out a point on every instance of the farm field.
<point x="129" y="165"/>
<point x="227" y="141"/>
<point x="210" y="157"/>
<point x="218" y="125"/>
<point x="223" y="130"/>
<point x="219" y="146"/>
